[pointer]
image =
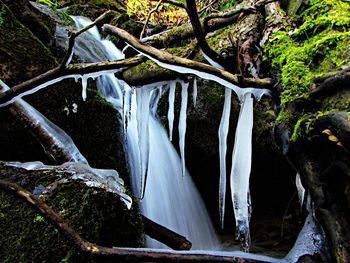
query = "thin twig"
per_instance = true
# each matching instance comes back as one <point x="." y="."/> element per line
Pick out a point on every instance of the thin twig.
<point x="198" y="28"/>
<point x="74" y="35"/>
<point x="208" y="5"/>
<point x="174" y="3"/>
<point x="148" y="18"/>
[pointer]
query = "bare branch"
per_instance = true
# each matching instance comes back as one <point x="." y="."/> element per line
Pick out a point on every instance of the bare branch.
<point x="209" y="54"/>
<point x="207" y="6"/>
<point x="74" y="35"/>
<point x="183" y="65"/>
<point x="331" y="83"/>
<point x="165" y="235"/>
<point x="174" y="3"/>
<point x="134" y="254"/>
<point x="148" y="18"/>
<point x="57" y="74"/>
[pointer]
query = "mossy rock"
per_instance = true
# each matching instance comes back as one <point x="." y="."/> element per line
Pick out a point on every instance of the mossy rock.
<point x="319" y="45"/>
<point x="96" y="215"/>
<point x="22" y="54"/>
<point x="41" y="25"/>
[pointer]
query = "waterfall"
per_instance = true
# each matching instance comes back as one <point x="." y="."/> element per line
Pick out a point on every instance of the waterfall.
<point x="169" y="199"/>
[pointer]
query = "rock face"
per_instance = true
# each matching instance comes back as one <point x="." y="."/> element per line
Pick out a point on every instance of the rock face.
<point x="27" y="50"/>
<point x="96" y="215"/>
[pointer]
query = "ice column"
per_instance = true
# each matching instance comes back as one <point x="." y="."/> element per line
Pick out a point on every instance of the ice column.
<point x="300" y="188"/>
<point x="194" y="92"/>
<point x="126" y="105"/>
<point x="171" y="108"/>
<point x="182" y="123"/>
<point x="240" y="171"/>
<point x="142" y="116"/>
<point x="223" y="131"/>
<point x="84" y="86"/>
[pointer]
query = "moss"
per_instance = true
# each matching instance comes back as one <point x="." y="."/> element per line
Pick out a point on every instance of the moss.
<point x="297" y="132"/>
<point x="319" y="45"/>
<point x="148" y="71"/>
<point x="16" y="61"/>
<point x="98" y="216"/>
<point x="219" y="39"/>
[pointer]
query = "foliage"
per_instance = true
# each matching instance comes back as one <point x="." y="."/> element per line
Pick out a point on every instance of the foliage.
<point x="48" y="3"/>
<point x="166" y="15"/>
<point x="223" y="5"/>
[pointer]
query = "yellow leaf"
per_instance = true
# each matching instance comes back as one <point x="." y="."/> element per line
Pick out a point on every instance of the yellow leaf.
<point x="333" y="138"/>
<point x="327" y="131"/>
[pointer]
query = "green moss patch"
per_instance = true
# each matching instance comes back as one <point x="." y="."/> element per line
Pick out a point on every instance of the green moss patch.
<point x="318" y="45"/>
<point x="98" y="216"/>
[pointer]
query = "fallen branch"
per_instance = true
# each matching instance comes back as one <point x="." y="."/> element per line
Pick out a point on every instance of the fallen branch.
<point x="59" y="149"/>
<point x="212" y="57"/>
<point x="135" y="254"/>
<point x="165" y="235"/>
<point x="183" y="65"/>
<point x="57" y="74"/>
<point x="331" y="83"/>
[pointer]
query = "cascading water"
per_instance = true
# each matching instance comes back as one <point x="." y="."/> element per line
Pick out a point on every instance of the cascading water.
<point x="169" y="199"/>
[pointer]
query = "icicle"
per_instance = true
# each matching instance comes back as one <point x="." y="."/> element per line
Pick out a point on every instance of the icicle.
<point x="194" y="92"/>
<point x="183" y="70"/>
<point x="223" y="131"/>
<point x="182" y="123"/>
<point x="142" y="116"/>
<point x="300" y="188"/>
<point x="240" y="171"/>
<point x="70" y="58"/>
<point x="84" y="85"/>
<point x="212" y="62"/>
<point x="126" y="105"/>
<point x="171" y="108"/>
<point x="125" y="48"/>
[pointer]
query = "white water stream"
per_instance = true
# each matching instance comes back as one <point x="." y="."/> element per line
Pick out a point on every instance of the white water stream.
<point x="169" y="199"/>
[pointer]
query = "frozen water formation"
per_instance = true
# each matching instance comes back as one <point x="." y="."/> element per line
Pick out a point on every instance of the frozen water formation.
<point x="159" y="176"/>
<point x="137" y="111"/>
